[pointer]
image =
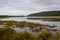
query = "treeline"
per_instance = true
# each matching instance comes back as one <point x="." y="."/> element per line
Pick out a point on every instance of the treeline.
<point x="6" y="16"/>
<point x="3" y="16"/>
<point x="13" y="15"/>
<point x="46" y="13"/>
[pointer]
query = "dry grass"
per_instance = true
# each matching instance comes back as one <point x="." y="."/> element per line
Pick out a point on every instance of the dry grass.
<point x="24" y="24"/>
<point x="45" y="19"/>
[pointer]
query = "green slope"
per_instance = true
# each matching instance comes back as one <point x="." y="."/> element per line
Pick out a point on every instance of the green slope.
<point x="46" y="13"/>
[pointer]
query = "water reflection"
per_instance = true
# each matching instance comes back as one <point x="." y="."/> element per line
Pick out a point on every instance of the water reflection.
<point x="33" y="21"/>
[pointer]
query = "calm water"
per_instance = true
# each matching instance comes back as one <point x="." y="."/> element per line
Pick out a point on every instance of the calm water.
<point x="34" y="21"/>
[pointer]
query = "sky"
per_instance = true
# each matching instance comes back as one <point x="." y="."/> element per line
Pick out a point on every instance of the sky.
<point x="26" y="7"/>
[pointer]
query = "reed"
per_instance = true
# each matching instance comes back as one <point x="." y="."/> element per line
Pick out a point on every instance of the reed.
<point x="7" y="33"/>
<point x="24" y="36"/>
<point x="24" y="24"/>
<point x="57" y="36"/>
<point x="45" y="19"/>
<point x="44" y="35"/>
<point x="11" y="34"/>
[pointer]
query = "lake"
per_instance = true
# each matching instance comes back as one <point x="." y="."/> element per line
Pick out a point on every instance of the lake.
<point x="34" y="21"/>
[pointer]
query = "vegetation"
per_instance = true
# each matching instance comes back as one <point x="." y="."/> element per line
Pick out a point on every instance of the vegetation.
<point x="46" y="13"/>
<point x="57" y="36"/>
<point x="6" y="16"/>
<point x="20" y="24"/>
<point x="44" y="35"/>
<point x="24" y="36"/>
<point x="32" y="25"/>
<point x="8" y="33"/>
<point x="3" y="17"/>
<point x="45" y="19"/>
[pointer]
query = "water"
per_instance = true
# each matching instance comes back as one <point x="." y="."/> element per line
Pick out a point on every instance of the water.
<point x="34" y="21"/>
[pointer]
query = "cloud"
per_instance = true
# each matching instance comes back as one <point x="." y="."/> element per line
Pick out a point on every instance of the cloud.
<point x="25" y="7"/>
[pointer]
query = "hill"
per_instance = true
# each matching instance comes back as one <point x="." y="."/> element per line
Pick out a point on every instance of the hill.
<point x="46" y="13"/>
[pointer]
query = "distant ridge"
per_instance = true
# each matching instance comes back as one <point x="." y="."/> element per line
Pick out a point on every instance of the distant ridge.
<point x="11" y="16"/>
<point x="46" y="13"/>
<point x="6" y="16"/>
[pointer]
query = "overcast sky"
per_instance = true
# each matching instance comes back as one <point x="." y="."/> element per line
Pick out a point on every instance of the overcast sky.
<point x="25" y="7"/>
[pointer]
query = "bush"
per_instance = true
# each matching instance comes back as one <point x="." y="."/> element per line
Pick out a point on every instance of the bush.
<point x="6" y="33"/>
<point x="45" y="35"/>
<point x="24" y="36"/>
<point x="57" y="36"/>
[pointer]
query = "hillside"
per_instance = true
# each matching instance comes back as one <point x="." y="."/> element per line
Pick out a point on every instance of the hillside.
<point x="46" y="13"/>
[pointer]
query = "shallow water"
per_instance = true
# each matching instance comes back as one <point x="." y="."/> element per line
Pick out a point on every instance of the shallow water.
<point x="28" y="20"/>
<point x="34" y="21"/>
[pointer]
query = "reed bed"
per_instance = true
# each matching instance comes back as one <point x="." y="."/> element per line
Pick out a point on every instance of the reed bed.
<point x="22" y="24"/>
<point x="11" y="34"/>
<point x="45" y="19"/>
<point x="19" y="24"/>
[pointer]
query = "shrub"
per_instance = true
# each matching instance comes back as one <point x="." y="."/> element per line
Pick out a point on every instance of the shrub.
<point x="6" y="33"/>
<point x="45" y="35"/>
<point x="24" y="36"/>
<point x="57" y="36"/>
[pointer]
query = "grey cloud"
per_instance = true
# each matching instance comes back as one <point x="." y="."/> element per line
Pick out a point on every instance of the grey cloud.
<point x="27" y="6"/>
